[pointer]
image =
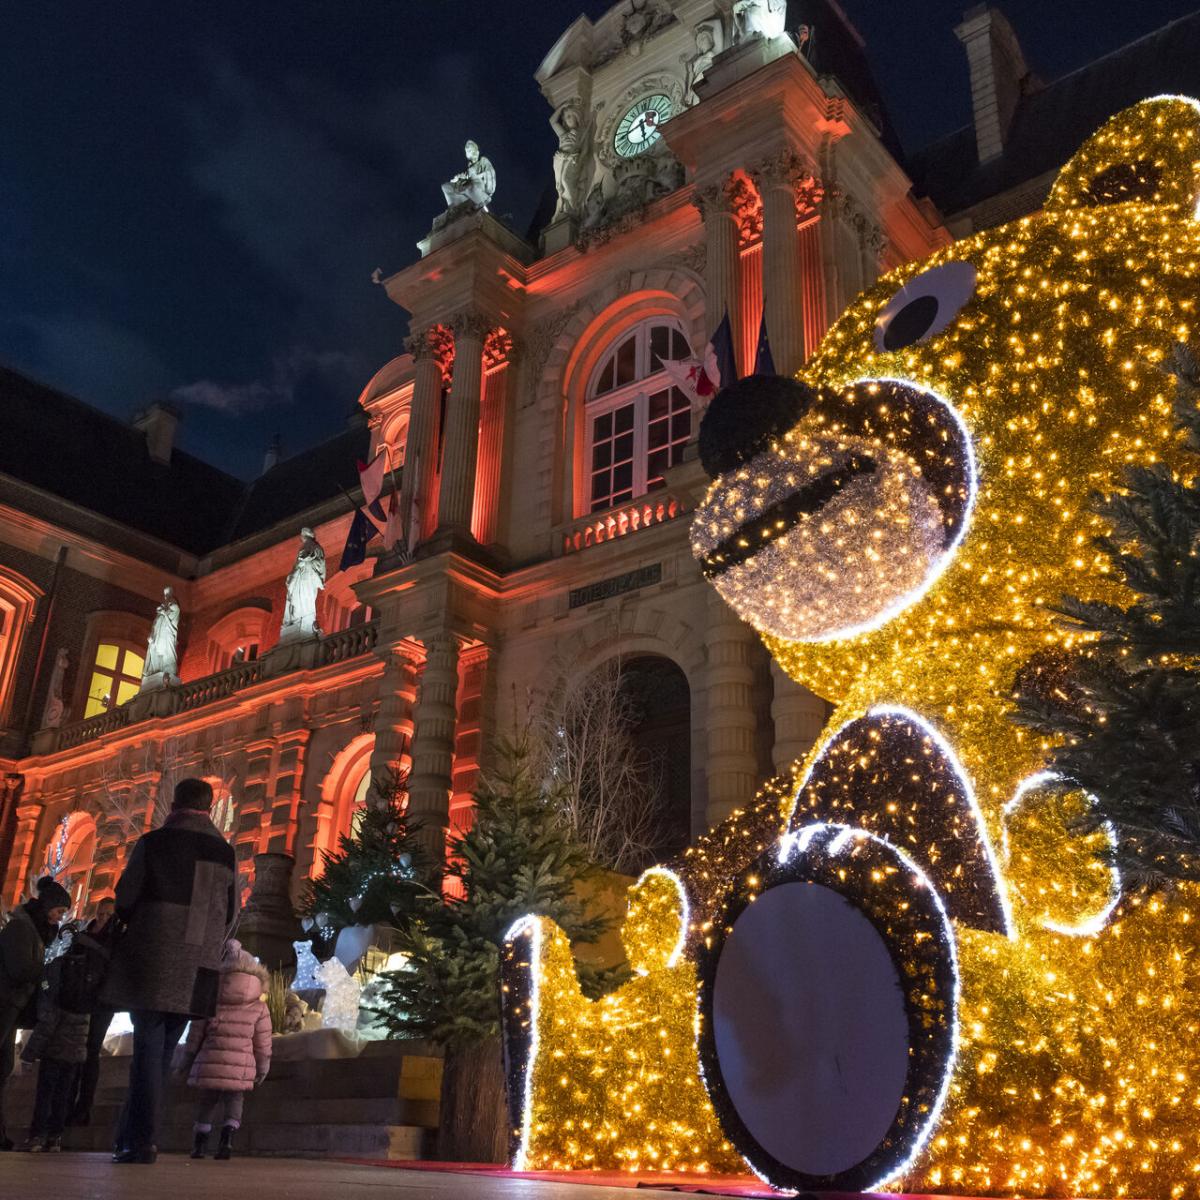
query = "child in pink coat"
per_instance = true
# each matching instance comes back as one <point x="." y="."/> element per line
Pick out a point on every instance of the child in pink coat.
<point x="229" y="1053"/>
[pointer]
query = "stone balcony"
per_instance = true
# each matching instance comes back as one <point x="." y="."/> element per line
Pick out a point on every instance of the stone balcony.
<point x="334" y="648"/>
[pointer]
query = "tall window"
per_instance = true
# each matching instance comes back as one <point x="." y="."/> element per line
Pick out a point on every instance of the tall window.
<point x="638" y="422"/>
<point x="18" y="600"/>
<point x="116" y="677"/>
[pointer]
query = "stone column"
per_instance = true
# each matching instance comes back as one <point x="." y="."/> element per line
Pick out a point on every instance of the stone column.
<point x="498" y="358"/>
<point x="394" y="720"/>
<point x="460" y="450"/>
<point x="20" y="860"/>
<point x="432" y="779"/>
<point x="776" y="178"/>
<point x="429" y="349"/>
<point x="721" y="256"/>
<point x="798" y="716"/>
<point x="732" y="729"/>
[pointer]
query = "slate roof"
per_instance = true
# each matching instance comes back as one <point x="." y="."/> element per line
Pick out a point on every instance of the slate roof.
<point x="70" y="449"/>
<point x="1053" y="121"/>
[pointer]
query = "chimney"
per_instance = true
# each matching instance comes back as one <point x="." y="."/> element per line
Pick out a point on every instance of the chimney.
<point x="158" y="423"/>
<point x="998" y="72"/>
<point x="272" y="455"/>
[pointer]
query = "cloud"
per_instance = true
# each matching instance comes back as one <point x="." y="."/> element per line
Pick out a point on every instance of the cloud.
<point x="298" y="369"/>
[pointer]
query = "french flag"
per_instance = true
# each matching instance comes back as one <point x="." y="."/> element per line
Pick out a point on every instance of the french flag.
<point x="701" y="379"/>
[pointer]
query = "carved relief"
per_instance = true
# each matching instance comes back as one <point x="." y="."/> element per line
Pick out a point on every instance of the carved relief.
<point x="499" y="349"/>
<point x="541" y="341"/>
<point x="746" y="205"/>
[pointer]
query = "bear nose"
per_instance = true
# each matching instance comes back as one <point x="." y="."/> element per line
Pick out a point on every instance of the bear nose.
<point x="745" y="417"/>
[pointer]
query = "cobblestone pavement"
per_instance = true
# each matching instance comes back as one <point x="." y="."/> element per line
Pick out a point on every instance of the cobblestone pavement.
<point x="175" y="1177"/>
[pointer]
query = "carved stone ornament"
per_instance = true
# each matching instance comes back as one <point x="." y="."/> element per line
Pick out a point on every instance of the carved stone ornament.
<point x="471" y="323"/>
<point x="541" y="339"/>
<point x="692" y="258"/>
<point x="499" y="349"/>
<point x="436" y="342"/>
<point x="746" y="204"/>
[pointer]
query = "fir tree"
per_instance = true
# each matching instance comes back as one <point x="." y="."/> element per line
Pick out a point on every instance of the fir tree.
<point x="518" y="857"/>
<point x="375" y="875"/>
<point x="1125" y="712"/>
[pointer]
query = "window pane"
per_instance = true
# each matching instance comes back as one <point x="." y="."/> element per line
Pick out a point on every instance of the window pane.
<point x="627" y="361"/>
<point x="660" y="341"/>
<point x="600" y="487"/>
<point x="93" y="708"/>
<point x="106" y="656"/>
<point x="623" y="448"/>
<point x="622" y="477"/>
<point x="678" y="400"/>
<point x="677" y="454"/>
<point x="681" y="426"/>
<point x="101" y="686"/>
<point x="656" y="435"/>
<point x="658" y="404"/>
<point x="656" y="464"/>
<point x="604" y="381"/>
<point x="603" y="428"/>
<point x="601" y="455"/>
<point x="679" y="345"/>
<point x="126" y="691"/>
<point x="134" y="664"/>
<point x="624" y="418"/>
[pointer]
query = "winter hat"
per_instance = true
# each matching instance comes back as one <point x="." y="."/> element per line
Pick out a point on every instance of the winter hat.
<point x="52" y="894"/>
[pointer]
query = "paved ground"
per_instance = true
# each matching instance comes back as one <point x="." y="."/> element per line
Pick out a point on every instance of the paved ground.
<point x="93" y="1177"/>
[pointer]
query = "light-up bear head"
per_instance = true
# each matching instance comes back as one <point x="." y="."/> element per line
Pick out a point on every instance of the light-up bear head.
<point x="897" y="524"/>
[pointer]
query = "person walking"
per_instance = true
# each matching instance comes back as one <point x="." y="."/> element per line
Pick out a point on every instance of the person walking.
<point x="178" y="899"/>
<point x="58" y="1045"/>
<point x="23" y="942"/>
<point x="229" y="1055"/>
<point x="101" y="929"/>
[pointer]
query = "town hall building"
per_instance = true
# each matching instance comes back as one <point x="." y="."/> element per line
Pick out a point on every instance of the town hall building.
<point x="715" y="157"/>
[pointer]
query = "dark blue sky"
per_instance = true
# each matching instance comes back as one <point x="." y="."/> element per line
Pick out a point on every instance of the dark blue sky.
<point x="193" y="196"/>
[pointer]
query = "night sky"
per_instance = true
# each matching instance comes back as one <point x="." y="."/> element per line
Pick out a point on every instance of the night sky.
<point x="193" y="196"/>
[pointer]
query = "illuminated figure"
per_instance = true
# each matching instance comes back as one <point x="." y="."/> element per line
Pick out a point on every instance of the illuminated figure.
<point x="929" y="982"/>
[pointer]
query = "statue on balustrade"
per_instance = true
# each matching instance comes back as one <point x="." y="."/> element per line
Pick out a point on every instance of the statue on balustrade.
<point x="162" y="655"/>
<point x="304" y="581"/>
<point x="470" y="190"/>
<point x="52" y="714"/>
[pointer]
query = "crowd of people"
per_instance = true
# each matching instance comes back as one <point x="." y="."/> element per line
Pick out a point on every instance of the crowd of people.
<point x="161" y="949"/>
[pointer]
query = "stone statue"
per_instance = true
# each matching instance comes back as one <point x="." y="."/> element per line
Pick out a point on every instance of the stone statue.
<point x="305" y="580"/>
<point x="474" y="187"/>
<point x="52" y="714"/>
<point x="758" y="18"/>
<point x="162" y="659"/>
<point x="572" y="159"/>
<point x="709" y="37"/>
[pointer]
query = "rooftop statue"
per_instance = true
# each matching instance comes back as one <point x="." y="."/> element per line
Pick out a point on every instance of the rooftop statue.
<point x="470" y="190"/>
<point x="304" y="581"/>
<point x="162" y="659"/>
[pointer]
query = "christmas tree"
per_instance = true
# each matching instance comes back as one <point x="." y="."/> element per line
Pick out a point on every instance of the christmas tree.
<point x="518" y="857"/>
<point x="375" y="875"/>
<point x="1124" y="712"/>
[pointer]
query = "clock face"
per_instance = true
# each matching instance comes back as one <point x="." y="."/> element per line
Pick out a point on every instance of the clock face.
<point x="638" y="129"/>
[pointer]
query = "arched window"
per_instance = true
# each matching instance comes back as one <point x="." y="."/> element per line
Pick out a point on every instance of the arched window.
<point x="116" y="676"/>
<point x="638" y="422"/>
<point x="18" y="600"/>
<point x="224" y="808"/>
<point x="111" y="661"/>
<point x="239" y="636"/>
<point x="70" y="856"/>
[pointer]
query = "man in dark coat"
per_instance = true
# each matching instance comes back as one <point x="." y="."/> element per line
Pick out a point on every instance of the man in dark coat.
<point x="23" y="943"/>
<point x="178" y="898"/>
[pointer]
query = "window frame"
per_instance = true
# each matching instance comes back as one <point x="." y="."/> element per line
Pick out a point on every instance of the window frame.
<point x="21" y="597"/>
<point x="647" y="382"/>
<point x="124" y="648"/>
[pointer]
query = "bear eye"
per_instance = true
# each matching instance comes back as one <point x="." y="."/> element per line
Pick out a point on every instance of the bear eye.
<point x="924" y="306"/>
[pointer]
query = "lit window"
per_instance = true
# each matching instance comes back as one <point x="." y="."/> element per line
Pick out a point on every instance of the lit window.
<point x="638" y="423"/>
<point x="116" y="677"/>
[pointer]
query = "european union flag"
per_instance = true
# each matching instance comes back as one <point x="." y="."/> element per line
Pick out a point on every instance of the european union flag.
<point x="722" y="344"/>
<point x="361" y="532"/>
<point x="764" y="364"/>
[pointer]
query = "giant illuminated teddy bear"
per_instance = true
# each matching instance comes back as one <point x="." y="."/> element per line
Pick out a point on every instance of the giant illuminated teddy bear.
<point x="928" y="981"/>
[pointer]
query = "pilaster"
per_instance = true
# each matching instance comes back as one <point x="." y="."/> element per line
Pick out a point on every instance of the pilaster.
<point x="431" y="780"/>
<point x="394" y="722"/>
<point x="798" y="716"/>
<point x="717" y="210"/>
<point x="732" y="728"/>
<point x="433" y="352"/>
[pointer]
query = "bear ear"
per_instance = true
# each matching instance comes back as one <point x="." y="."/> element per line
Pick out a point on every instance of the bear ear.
<point x="1147" y="154"/>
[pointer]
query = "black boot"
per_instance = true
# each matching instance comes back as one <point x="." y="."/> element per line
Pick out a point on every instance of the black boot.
<point x="199" y="1143"/>
<point x="225" y="1149"/>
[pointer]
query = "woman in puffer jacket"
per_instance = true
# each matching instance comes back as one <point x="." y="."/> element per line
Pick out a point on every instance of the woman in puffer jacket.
<point x="230" y="1053"/>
